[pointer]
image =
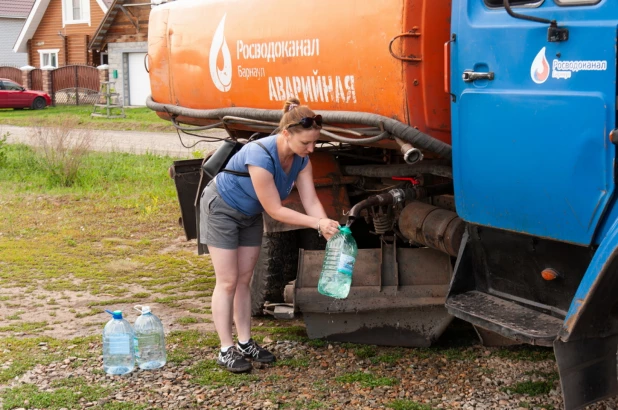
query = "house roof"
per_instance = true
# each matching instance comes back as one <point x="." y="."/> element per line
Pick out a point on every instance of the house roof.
<point x="34" y="19"/>
<point x="108" y="20"/>
<point x="17" y="9"/>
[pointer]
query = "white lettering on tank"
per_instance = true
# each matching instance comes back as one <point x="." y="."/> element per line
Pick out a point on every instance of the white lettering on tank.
<point x="272" y="50"/>
<point x="315" y="88"/>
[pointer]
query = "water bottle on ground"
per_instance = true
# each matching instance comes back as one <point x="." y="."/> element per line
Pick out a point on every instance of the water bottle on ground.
<point x="118" y="350"/>
<point x="149" y="340"/>
<point x="336" y="276"/>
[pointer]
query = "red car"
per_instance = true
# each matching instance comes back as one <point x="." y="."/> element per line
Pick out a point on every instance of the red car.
<point x="13" y="95"/>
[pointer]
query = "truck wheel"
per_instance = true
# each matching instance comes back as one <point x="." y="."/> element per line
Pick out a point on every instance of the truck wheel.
<point x="276" y="266"/>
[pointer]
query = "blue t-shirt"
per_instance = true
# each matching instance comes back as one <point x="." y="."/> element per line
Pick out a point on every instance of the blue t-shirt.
<point x="238" y="192"/>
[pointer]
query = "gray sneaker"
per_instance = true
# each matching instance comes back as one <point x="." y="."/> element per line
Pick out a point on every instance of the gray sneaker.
<point x="254" y="351"/>
<point x="233" y="361"/>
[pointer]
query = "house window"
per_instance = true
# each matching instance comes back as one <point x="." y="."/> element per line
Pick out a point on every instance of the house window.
<point x="49" y="57"/>
<point x="76" y="11"/>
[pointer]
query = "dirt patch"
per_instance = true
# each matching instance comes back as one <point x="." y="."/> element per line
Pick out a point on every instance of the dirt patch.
<point x="70" y="314"/>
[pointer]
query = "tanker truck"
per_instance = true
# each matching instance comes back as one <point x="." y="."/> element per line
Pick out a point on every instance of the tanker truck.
<point x="470" y="143"/>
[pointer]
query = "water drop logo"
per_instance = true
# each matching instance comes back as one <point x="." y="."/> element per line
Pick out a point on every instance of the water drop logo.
<point x="221" y="78"/>
<point x="539" y="71"/>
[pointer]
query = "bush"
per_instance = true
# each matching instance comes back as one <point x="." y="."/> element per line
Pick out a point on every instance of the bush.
<point x="62" y="149"/>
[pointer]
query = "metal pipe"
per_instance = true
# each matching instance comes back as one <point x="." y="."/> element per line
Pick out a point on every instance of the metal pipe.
<point x="393" y="196"/>
<point x="411" y="155"/>
<point x="439" y="168"/>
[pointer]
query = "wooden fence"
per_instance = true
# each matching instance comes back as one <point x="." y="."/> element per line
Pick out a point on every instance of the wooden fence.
<point x="12" y="73"/>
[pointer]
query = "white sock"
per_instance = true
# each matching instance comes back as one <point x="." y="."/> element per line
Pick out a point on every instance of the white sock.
<point x="225" y="349"/>
<point x="243" y="343"/>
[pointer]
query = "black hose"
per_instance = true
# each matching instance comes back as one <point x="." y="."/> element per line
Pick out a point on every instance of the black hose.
<point x="394" y="127"/>
<point x="439" y="168"/>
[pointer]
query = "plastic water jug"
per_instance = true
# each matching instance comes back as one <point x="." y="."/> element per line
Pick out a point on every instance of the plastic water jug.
<point x="149" y="340"/>
<point x="118" y="350"/>
<point x="340" y="256"/>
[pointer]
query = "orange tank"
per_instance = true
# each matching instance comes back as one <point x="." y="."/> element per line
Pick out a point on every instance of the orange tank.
<point x="383" y="57"/>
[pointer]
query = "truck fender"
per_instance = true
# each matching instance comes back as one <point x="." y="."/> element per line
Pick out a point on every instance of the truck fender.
<point x="591" y="311"/>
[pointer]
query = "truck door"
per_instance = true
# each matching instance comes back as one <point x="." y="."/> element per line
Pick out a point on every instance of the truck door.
<point x="531" y="117"/>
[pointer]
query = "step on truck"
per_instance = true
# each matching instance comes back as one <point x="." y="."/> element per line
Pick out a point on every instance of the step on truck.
<point x="470" y="142"/>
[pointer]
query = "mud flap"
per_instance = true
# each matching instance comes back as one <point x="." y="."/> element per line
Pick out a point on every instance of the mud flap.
<point x="587" y="370"/>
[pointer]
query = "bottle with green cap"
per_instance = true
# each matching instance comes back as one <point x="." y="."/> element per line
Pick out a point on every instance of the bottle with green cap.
<point x="118" y="350"/>
<point x="339" y="258"/>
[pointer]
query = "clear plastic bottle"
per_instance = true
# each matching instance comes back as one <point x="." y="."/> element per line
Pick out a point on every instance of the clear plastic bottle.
<point x="118" y="350"/>
<point x="149" y="340"/>
<point x="339" y="258"/>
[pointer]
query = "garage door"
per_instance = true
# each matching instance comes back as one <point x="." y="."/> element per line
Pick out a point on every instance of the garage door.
<point x="139" y="83"/>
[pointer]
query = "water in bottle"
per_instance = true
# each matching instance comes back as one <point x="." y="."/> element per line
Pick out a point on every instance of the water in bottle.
<point x="118" y="350"/>
<point x="336" y="276"/>
<point x="149" y="340"/>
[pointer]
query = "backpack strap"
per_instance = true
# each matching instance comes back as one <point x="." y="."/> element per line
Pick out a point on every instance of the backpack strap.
<point x="246" y="174"/>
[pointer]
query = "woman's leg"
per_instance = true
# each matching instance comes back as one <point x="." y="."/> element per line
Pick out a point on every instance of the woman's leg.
<point x="225" y="264"/>
<point x="247" y="258"/>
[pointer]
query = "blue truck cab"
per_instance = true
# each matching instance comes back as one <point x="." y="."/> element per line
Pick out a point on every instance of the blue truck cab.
<point x="533" y="89"/>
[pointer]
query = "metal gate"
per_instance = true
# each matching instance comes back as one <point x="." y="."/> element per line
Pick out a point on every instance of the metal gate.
<point x="11" y="73"/>
<point x="75" y="85"/>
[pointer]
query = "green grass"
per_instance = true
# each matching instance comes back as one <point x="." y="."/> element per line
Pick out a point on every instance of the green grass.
<point x="63" y="397"/>
<point x="305" y="404"/>
<point x="24" y="327"/>
<point x="534" y="387"/>
<point x="185" y="320"/>
<point x="531" y="388"/>
<point x="208" y="373"/>
<point x="367" y="379"/>
<point x="25" y="353"/>
<point x="293" y="363"/>
<point x="407" y="405"/>
<point x="137" y="119"/>
<point x="292" y="333"/>
<point x="390" y="358"/>
<point x="526" y="353"/>
<point x="186" y="342"/>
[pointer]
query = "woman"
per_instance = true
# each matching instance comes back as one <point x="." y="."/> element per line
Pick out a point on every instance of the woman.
<point x="231" y="222"/>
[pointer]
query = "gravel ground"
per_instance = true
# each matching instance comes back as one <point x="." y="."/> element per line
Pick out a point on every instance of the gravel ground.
<point x="326" y="376"/>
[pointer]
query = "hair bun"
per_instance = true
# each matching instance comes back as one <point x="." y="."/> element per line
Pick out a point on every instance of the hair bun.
<point x="290" y="104"/>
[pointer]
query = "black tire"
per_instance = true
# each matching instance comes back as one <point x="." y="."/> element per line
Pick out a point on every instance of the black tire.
<point x="275" y="268"/>
<point x="39" y="103"/>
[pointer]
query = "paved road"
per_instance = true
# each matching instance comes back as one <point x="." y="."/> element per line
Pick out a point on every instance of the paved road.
<point x="161" y="143"/>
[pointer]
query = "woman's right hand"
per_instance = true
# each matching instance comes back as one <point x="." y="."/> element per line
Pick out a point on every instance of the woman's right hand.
<point x="328" y="227"/>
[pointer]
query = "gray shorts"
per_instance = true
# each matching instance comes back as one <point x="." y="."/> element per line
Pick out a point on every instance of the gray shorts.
<point x="222" y="226"/>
